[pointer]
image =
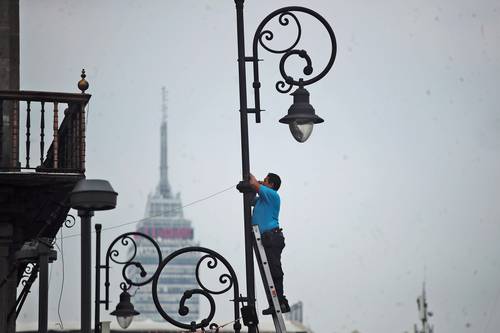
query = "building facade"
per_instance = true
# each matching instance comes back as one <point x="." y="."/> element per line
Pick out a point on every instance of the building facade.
<point x="165" y="222"/>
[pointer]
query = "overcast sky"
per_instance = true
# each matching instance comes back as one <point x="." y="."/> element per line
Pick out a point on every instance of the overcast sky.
<point x="399" y="185"/>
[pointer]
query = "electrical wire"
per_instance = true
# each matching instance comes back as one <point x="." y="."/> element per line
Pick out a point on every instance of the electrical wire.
<point x="186" y="205"/>
<point x="61" y="250"/>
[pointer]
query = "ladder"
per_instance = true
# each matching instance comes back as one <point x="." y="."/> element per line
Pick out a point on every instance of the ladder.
<point x="267" y="279"/>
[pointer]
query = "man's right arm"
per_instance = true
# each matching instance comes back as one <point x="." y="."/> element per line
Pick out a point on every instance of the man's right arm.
<point x="254" y="183"/>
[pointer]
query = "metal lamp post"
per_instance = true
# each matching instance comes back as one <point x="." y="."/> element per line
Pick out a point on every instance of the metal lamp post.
<point x="88" y="196"/>
<point x="301" y="116"/>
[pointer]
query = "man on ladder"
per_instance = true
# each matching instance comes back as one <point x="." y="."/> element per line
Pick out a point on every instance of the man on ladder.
<point x="265" y="215"/>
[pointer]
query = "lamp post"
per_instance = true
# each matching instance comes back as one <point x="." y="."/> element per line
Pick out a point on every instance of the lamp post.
<point x="301" y="115"/>
<point x="88" y="196"/>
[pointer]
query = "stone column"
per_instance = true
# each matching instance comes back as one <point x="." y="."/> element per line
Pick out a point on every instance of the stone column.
<point x="9" y="73"/>
<point x="8" y="276"/>
<point x="9" y="80"/>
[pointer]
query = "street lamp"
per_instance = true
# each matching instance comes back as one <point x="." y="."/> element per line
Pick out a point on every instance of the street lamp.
<point x="124" y="311"/>
<point x="301" y="116"/>
<point x="88" y="196"/>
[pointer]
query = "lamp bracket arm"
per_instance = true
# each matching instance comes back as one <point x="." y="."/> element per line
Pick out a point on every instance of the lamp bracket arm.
<point x="138" y="276"/>
<point x="207" y="259"/>
<point x="285" y="16"/>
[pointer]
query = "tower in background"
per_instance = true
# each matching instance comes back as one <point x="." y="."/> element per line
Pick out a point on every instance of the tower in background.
<point x="164" y="221"/>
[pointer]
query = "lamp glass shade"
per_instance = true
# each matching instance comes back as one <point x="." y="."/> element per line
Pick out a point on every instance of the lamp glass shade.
<point x="301" y="116"/>
<point x="124" y="322"/>
<point x="125" y="311"/>
<point x="301" y="129"/>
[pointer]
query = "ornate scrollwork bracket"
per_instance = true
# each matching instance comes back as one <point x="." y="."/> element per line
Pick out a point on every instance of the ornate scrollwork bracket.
<point x="228" y="281"/>
<point x="133" y="272"/>
<point x="70" y="221"/>
<point x="285" y="16"/>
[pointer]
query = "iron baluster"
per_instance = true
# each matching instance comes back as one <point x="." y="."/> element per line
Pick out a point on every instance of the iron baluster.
<point x="55" y="144"/>
<point x="15" y="136"/>
<point x="1" y="132"/>
<point x="42" y="132"/>
<point x="71" y="138"/>
<point x="81" y="165"/>
<point x="74" y="143"/>
<point x="83" y="85"/>
<point x="28" y="126"/>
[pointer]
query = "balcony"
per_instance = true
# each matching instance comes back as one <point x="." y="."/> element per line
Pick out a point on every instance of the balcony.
<point x="47" y="130"/>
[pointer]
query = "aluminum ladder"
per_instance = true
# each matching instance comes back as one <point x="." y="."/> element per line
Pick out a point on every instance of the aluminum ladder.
<point x="265" y="272"/>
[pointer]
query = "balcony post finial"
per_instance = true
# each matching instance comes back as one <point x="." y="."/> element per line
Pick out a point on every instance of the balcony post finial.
<point x="83" y="84"/>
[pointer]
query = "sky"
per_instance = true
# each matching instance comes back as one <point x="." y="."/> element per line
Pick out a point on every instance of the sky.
<point x="399" y="186"/>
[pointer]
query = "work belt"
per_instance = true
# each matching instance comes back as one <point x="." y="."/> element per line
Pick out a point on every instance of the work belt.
<point x="274" y="230"/>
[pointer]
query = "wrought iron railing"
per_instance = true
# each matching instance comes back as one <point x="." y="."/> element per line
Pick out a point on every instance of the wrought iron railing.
<point x="23" y="110"/>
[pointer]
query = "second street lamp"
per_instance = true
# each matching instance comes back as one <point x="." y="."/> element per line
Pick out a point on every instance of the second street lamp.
<point x="139" y="272"/>
<point x="88" y="196"/>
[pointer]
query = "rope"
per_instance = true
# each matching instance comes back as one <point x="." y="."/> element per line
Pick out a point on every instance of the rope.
<point x="186" y="205"/>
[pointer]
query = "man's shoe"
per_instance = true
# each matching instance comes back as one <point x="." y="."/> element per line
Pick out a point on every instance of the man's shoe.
<point x="284" y="309"/>
<point x="268" y="311"/>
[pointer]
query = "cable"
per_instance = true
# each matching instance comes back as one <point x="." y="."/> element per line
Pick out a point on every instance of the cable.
<point x="210" y="196"/>
<point x="50" y="274"/>
<point x="61" y="250"/>
<point x="186" y="205"/>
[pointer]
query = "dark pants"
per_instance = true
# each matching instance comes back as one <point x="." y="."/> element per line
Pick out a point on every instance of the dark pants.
<point x="274" y="242"/>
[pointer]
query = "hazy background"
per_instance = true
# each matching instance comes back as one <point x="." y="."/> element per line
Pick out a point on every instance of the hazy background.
<point x="399" y="185"/>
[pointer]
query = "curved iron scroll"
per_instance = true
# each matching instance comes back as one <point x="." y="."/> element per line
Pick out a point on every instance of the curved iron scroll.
<point x="227" y="280"/>
<point x="129" y="241"/>
<point x="283" y="18"/>
<point x="30" y="271"/>
<point x="70" y="221"/>
<point x="286" y="15"/>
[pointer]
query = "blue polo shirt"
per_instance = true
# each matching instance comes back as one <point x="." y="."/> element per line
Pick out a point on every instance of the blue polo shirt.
<point x="267" y="209"/>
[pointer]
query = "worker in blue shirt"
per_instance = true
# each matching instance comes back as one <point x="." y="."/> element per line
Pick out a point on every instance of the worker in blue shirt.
<point x="265" y="215"/>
